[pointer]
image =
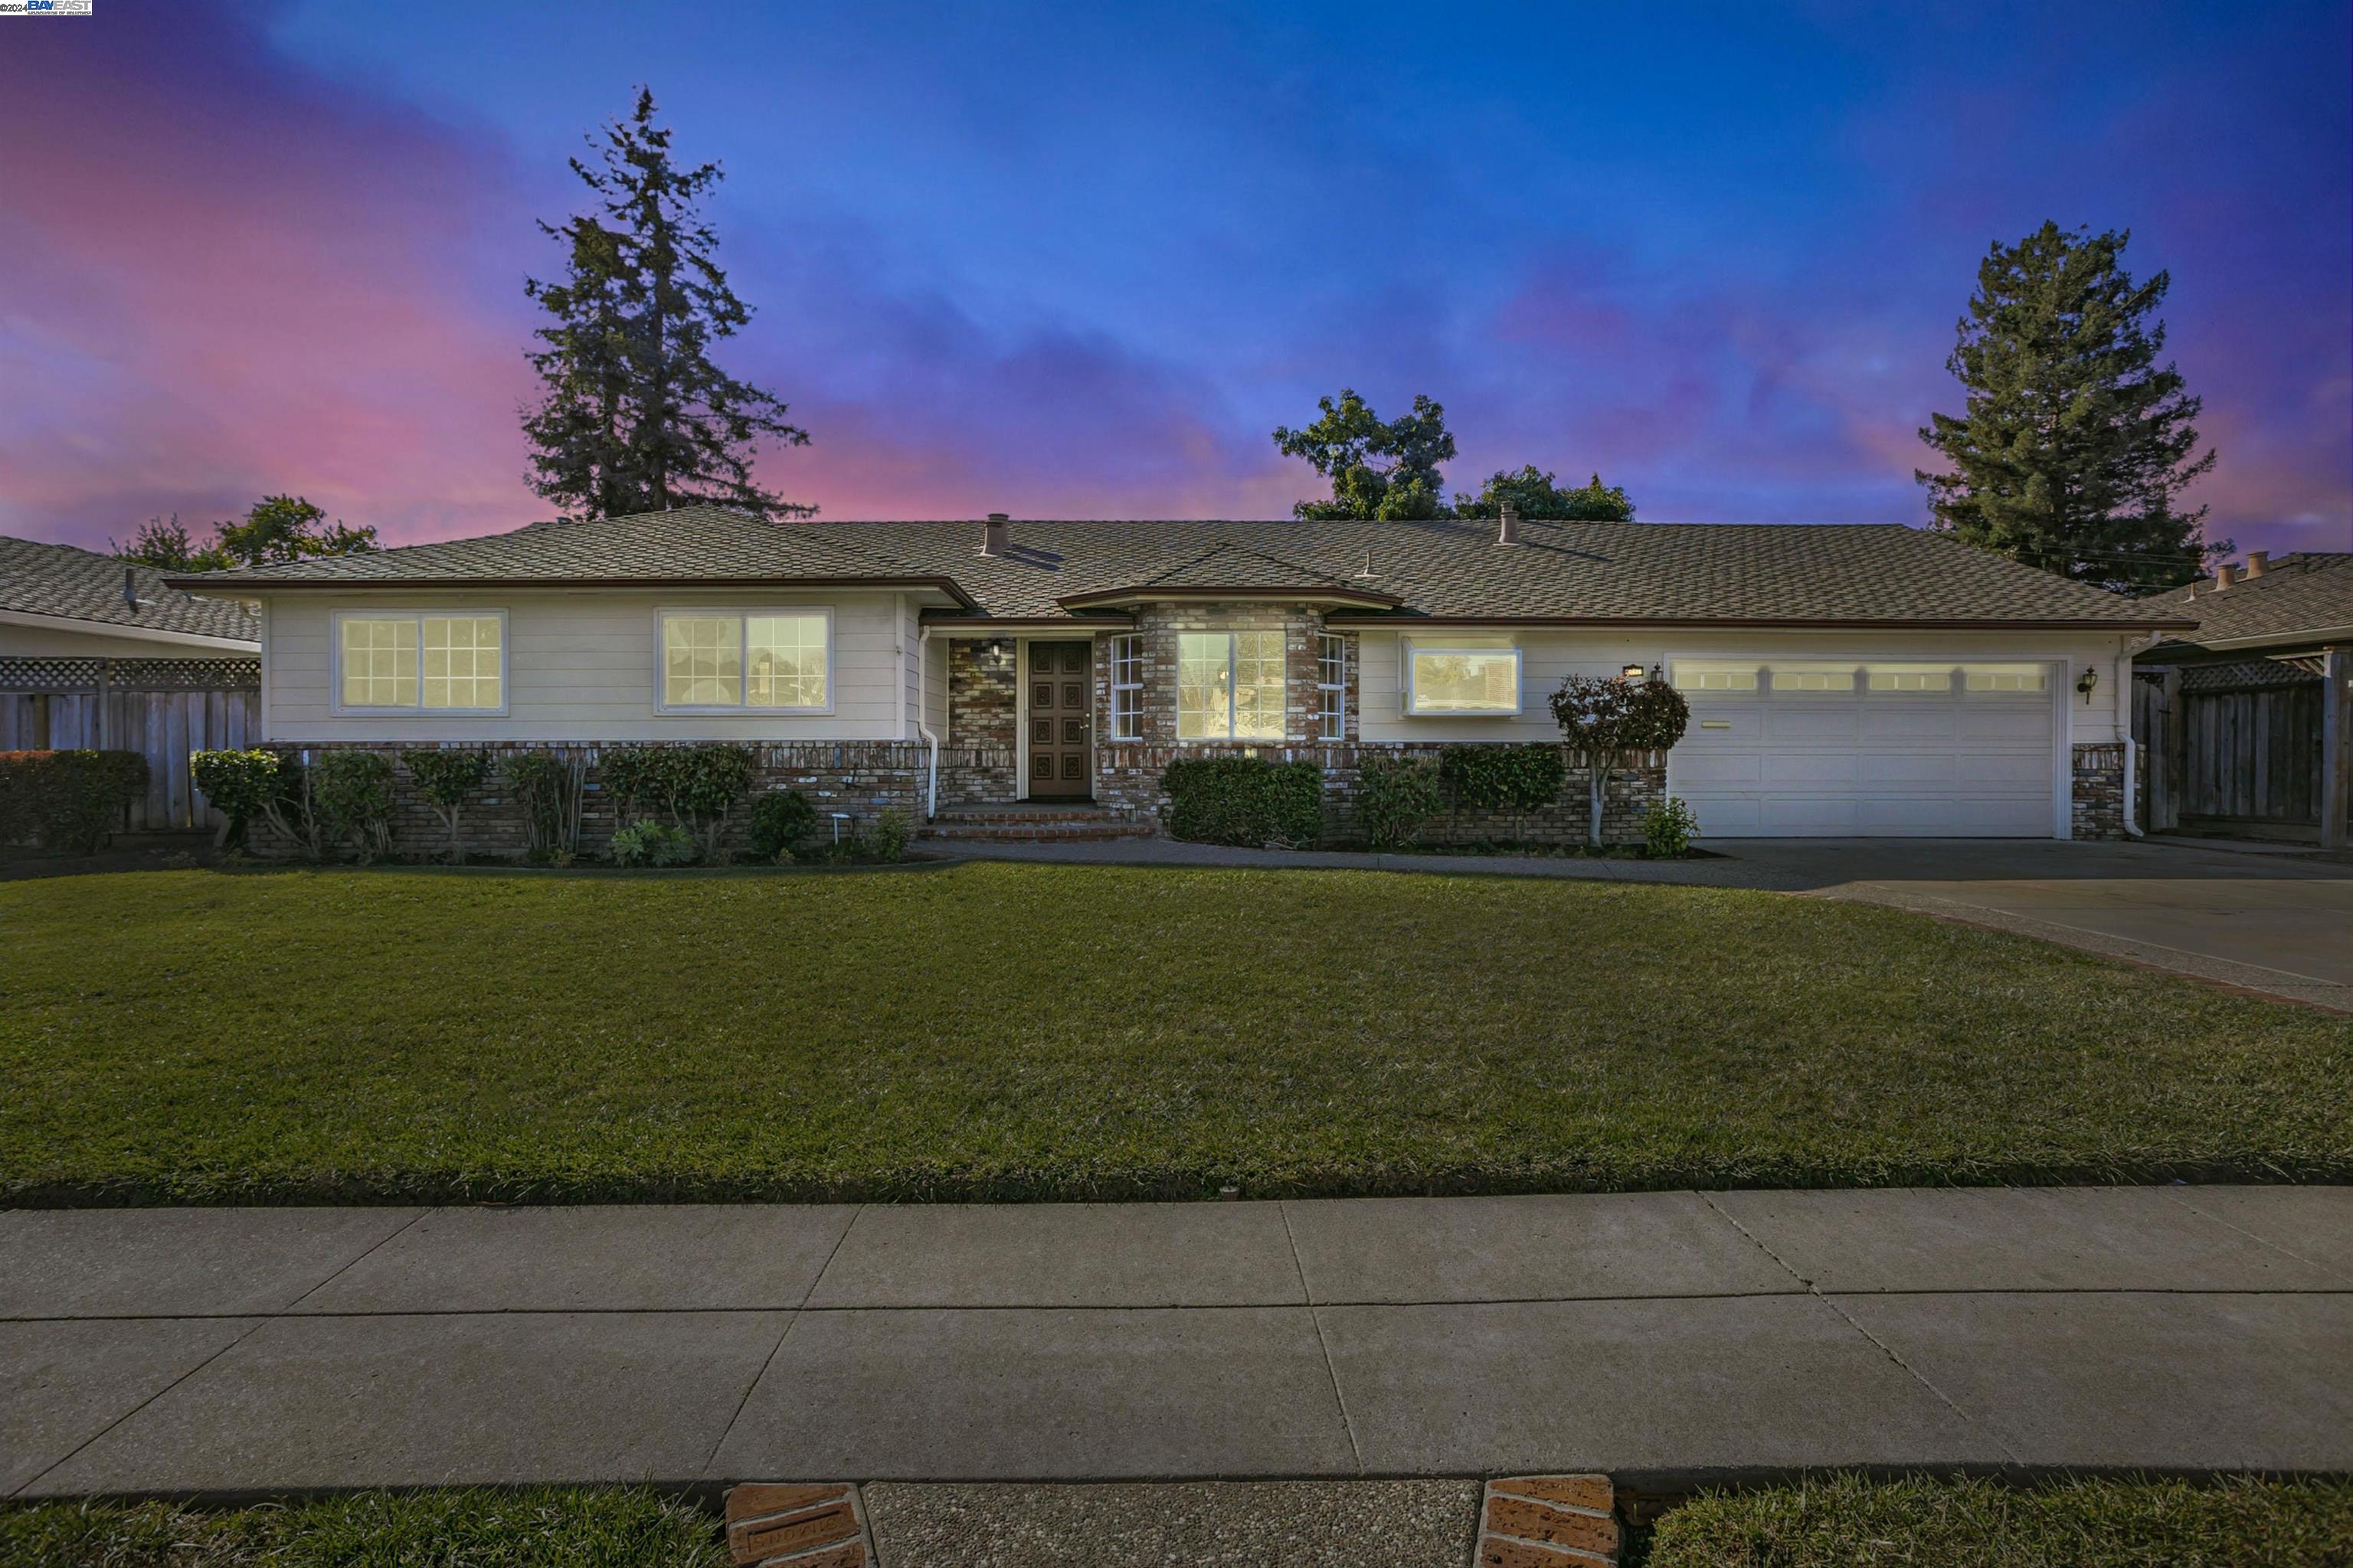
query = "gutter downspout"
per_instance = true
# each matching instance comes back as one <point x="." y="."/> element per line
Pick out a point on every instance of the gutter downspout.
<point x="2132" y="747"/>
<point x="923" y="675"/>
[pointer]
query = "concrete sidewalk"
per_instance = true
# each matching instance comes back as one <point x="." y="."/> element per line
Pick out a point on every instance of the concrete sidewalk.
<point x="1660" y="1338"/>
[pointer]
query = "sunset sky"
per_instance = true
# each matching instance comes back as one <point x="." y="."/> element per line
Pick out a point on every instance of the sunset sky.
<point x="1077" y="261"/>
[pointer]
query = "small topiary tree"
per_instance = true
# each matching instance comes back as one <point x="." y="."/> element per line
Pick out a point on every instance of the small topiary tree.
<point x="445" y="779"/>
<point x="241" y="786"/>
<point x="1610" y="718"/>
<point x="351" y="795"/>
<point x="698" y="785"/>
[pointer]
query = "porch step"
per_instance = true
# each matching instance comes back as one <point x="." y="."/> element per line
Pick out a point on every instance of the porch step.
<point x="1028" y="823"/>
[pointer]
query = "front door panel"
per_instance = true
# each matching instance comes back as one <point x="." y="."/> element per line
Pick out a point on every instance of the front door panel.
<point x="1061" y="690"/>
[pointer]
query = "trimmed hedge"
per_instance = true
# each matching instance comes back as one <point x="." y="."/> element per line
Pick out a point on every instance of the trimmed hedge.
<point x="67" y="799"/>
<point x="1395" y="796"/>
<point x="1496" y="778"/>
<point x="1244" y="801"/>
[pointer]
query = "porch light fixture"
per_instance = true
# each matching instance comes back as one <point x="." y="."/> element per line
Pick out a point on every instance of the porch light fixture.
<point x="2086" y="680"/>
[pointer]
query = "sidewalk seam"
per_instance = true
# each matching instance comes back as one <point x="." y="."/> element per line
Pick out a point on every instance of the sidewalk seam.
<point x="1884" y="1349"/>
<point x="2328" y="1268"/>
<point x="260" y="1321"/>
<point x="1307" y="1299"/>
<point x="774" y="1350"/>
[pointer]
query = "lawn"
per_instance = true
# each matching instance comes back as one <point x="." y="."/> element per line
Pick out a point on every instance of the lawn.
<point x="1000" y="1030"/>
<point x="529" y="1527"/>
<point x="1846" y="1522"/>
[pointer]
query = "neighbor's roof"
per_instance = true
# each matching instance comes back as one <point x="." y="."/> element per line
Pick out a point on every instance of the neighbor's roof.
<point x="1448" y="570"/>
<point x="2304" y="596"/>
<point x="38" y="578"/>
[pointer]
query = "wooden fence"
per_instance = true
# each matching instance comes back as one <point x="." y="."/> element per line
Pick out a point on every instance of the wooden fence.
<point x="162" y="708"/>
<point x="2235" y="743"/>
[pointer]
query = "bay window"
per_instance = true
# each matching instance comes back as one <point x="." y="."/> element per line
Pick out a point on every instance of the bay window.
<point x="771" y="660"/>
<point x="423" y="660"/>
<point x="1480" y="681"/>
<point x="1230" y="685"/>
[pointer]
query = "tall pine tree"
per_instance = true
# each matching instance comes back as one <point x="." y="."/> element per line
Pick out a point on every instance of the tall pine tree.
<point x="634" y="416"/>
<point x="2075" y="442"/>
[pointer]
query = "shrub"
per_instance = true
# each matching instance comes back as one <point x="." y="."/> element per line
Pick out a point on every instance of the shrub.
<point x="1668" y="829"/>
<point x="697" y="785"/>
<point x="892" y="831"/>
<point x="67" y="799"/>
<point x="1394" y="795"/>
<point x="1513" y="778"/>
<point x="445" y="779"/>
<point x="352" y="798"/>
<point x="1244" y="801"/>
<point x="652" y="843"/>
<point x="781" y="819"/>
<point x="241" y="786"/>
<point x="549" y="787"/>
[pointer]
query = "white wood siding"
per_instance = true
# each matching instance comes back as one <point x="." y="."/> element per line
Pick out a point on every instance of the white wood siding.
<point x="581" y="667"/>
<point x="1546" y="656"/>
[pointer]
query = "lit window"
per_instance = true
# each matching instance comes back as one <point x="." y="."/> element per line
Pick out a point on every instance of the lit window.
<point x="412" y="660"/>
<point x="1331" y="687"/>
<point x="1691" y="677"/>
<point x="1814" y="678"/>
<point x="1462" y="681"/>
<point x="2005" y="677"/>
<point x="1910" y="678"/>
<point x="1127" y="688"/>
<point x="775" y="661"/>
<point x="1230" y="685"/>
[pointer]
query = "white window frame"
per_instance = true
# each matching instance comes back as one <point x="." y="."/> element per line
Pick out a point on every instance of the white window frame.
<point x="1416" y="708"/>
<point x="742" y="708"/>
<point x="1233" y="661"/>
<point x="1331" y="694"/>
<point x="1126" y="653"/>
<point x="418" y="709"/>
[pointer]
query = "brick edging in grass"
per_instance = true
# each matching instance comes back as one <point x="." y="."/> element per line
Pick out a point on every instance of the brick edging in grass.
<point x="1547" y="1522"/>
<point x="803" y="1524"/>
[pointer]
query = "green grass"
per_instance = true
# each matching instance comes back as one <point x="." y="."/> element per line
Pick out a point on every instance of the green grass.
<point x="1846" y="1522"/>
<point x="531" y="1527"/>
<point x="1034" y="1031"/>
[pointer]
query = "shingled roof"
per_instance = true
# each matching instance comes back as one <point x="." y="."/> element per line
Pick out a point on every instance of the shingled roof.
<point x="1601" y="572"/>
<point x="37" y="578"/>
<point x="2299" y="596"/>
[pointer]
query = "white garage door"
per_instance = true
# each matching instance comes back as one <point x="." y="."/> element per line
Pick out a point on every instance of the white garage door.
<point x="1818" y="748"/>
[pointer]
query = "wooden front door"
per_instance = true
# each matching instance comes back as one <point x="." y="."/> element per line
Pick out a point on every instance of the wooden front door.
<point x="1060" y="721"/>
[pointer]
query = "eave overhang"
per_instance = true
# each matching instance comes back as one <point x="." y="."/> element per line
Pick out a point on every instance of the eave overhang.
<point x="252" y="587"/>
<point x="1772" y="624"/>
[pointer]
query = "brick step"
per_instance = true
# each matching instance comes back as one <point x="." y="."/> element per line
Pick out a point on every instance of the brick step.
<point x="1037" y="833"/>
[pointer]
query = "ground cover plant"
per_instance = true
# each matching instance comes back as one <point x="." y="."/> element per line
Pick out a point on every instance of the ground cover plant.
<point x="527" y="1526"/>
<point x="1022" y="1030"/>
<point x="1844" y="1521"/>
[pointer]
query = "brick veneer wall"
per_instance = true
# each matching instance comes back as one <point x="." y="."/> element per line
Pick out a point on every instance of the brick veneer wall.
<point x="863" y="779"/>
<point x="983" y="724"/>
<point x="2097" y="806"/>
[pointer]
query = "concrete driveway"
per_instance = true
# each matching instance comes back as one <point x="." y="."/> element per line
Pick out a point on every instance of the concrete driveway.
<point x="2278" y="922"/>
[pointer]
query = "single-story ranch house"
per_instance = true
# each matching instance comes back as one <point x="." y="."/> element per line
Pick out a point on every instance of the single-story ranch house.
<point x="1843" y="680"/>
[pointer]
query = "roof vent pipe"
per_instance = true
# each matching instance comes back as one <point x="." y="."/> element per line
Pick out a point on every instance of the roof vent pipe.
<point x="130" y="588"/>
<point x="2224" y="572"/>
<point x="1508" y="532"/>
<point x="992" y="534"/>
<point x="2256" y="561"/>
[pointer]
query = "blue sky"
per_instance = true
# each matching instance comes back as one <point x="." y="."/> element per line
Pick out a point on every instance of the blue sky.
<point x="1080" y="259"/>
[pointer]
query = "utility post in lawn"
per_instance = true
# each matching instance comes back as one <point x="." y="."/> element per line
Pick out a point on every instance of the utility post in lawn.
<point x="1613" y="718"/>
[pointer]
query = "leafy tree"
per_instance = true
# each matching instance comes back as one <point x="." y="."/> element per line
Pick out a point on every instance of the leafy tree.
<point x="634" y="416"/>
<point x="1385" y="470"/>
<point x="1536" y="495"/>
<point x="276" y="530"/>
<point x="2075" y="442"/>
<point x="1611" y="718"/>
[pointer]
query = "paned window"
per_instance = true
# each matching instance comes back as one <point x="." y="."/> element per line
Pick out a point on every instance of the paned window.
<point x="421" y="659"/>
<point x="1230" y="685"/>
<point x="776" y="660"/>
<point x="1127" y="687"/>
<point x="1331" y="686"/>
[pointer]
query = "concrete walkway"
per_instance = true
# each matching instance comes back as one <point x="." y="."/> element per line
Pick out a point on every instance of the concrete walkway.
<point x="2256" y="917"/>
<point x="1660" y="1337"/>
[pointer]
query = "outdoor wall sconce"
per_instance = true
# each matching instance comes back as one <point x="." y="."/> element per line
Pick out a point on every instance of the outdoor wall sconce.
<point x="1632" y="672"/>
<point x="2086" y="680"/>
